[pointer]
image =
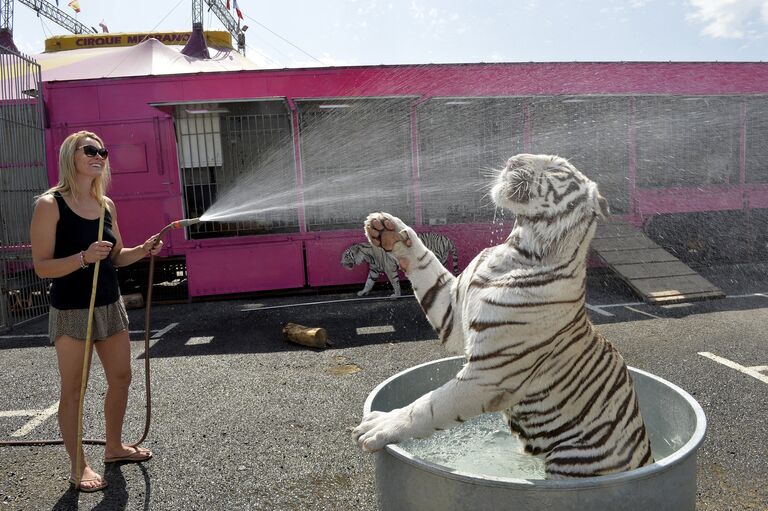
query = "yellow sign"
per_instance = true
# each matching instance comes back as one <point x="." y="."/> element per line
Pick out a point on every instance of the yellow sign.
<point x="214" y="38"/>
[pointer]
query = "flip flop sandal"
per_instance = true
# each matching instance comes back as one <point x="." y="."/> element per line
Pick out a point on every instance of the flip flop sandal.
<point x="137" y="456"/>
<point x="88" y="489"/>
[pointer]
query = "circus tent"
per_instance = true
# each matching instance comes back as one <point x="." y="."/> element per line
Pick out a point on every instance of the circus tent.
<point x="148" y="58"/>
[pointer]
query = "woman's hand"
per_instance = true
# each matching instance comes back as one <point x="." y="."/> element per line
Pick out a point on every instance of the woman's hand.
<point x="153" y="245"/>
<point x="97" y="251"/>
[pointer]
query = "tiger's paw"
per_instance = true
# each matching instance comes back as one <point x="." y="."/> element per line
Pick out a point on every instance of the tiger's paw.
<point x="378" y="429"/>
<point x="385" y="231"/>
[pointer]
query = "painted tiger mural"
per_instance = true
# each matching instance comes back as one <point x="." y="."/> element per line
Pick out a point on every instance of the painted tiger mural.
<point x="380" y="262"/>
<point x="518" y="313"/>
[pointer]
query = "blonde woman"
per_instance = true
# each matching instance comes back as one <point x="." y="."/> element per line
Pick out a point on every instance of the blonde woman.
<point x="64" y="234"/>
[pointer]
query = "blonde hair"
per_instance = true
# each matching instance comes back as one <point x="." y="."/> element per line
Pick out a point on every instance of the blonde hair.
<point x="68" y="172"/>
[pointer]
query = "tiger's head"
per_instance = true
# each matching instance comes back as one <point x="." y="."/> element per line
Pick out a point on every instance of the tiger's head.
<point x="353" y="256"/>
<point x="550" y="198"/>
<point x="545" y="187"/>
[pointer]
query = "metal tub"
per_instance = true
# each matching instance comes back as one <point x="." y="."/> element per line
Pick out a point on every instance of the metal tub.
<point x="675" y="423"/>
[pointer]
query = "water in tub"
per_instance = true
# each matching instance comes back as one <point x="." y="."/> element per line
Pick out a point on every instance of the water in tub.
<point x="482" y="445"/>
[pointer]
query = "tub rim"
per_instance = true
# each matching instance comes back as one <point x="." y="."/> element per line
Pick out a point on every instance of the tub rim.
<point x="660" y="466"/>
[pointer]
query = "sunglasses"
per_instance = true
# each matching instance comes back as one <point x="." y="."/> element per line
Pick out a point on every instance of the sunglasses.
<point x="92" y="150"/>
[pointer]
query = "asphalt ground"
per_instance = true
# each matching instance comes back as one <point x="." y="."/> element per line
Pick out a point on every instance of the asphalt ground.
<point x="242" y="419"/>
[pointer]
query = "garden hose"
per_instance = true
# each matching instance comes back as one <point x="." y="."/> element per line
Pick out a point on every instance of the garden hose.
<point x="88" y="349"/>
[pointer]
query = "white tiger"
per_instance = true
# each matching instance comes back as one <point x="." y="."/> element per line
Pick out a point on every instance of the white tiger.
<point x="380" y="262"/>
<point x="518" y="312"/>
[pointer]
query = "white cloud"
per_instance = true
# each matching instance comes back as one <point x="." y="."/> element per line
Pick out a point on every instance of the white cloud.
<point x="730" y="19"/>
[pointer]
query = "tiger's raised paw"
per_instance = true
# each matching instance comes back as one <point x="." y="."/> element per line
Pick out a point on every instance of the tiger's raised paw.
<point x="385" y="231"/>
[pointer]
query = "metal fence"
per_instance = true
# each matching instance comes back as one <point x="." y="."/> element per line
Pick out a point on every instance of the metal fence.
<point x="224" y="147"/>
<point x="23" y="296"/>
<point x="688" y="141"/>
<point x="592" y="132"/>
<point x="356" y="158"/>
<point x="433" y="158"/>
<point x="461" y="140"/>
<point x="241" y="156"/>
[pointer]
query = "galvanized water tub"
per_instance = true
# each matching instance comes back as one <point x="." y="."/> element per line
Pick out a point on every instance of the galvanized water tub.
<point x="675" y="423"/>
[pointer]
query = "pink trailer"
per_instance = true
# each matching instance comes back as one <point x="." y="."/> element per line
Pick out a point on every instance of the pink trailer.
<point x="658" y="137"/>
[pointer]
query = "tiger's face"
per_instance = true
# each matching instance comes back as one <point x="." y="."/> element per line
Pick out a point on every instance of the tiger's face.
<point x="352" y="257"/>
<point x="544" y="186"/>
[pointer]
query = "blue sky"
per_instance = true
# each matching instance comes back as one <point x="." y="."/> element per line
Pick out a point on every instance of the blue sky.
<point x="298" y="33"/>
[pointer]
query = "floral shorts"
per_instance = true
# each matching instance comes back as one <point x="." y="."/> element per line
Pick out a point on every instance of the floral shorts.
<point x="107" y="320"/>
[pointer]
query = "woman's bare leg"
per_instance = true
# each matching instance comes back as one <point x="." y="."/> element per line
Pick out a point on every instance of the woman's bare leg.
<point x="115" y="355"/>
<point x="70" y="353"/>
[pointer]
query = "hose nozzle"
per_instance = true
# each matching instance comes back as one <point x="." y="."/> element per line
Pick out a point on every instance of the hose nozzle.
<point x="186" y="222"/>
<point x="178" y="224"/>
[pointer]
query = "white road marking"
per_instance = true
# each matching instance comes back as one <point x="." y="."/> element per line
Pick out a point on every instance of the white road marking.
<point x="165" y="330"/>
<point x="19" y="413"/>
<point x="733" y="365"/>
<point x="251" y="309"/>
<point x="131" y="332"/>
<point x="638" y="311"/>
<point x="160" y="333"/>
<point x="758" y="368"/>
<point x="367" y="330"/>
<point x="599" y="310"/>
<point x="192" y="341"/>
<point x="39" y="418"/>
<point x="609" y="305"/>
<point x="635" y="304"/>
<point x="676" y="305"/>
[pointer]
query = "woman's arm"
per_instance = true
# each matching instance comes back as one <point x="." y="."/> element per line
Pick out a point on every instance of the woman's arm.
<point x="42" y="234"/>
<point x="122" y="256"/>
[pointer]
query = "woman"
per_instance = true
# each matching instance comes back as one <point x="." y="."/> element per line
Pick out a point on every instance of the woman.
<point x="64" y="234"/>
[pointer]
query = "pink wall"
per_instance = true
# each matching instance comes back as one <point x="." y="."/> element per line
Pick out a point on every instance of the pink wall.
<point x="145" y="167"/>
<point x="238" y="269"/>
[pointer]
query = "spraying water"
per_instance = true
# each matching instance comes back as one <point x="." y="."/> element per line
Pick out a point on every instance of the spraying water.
<point x="399" y="155"/>
<point x="353" y="161"/>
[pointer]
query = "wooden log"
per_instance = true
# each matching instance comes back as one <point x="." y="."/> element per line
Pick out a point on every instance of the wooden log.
<point x="306" y="336"/>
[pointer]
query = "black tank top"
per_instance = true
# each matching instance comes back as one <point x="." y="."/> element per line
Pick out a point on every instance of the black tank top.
<point x="73" y="234"/>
